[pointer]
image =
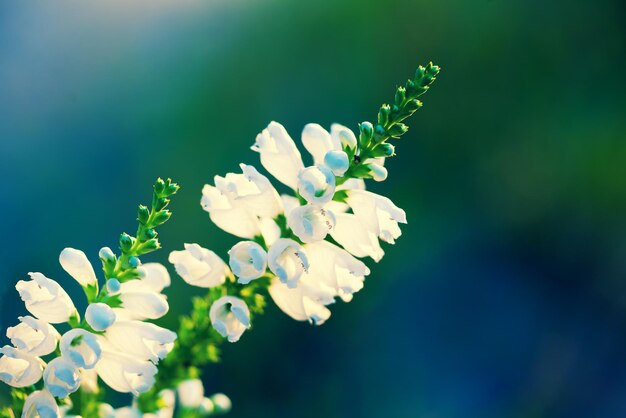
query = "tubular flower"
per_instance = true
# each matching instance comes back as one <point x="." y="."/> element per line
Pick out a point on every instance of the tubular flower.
<point x="288" y="261"/>
<point x="279" y="154"/>
<point x="248" y="261"/>
<point x="199" y="267"/>
<point x="81" y="348"/>
<point x="40" y="404"/>
<point x="46" y="299"/>
<point x="230" y="317"/>
<point x="61" y="377"/>
<point x="76" y="264"/>
<point x="19" y="369"/>
<point x="33" y="336"/>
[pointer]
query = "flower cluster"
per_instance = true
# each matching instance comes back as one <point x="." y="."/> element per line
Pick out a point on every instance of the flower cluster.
<point x="55" y="353"/>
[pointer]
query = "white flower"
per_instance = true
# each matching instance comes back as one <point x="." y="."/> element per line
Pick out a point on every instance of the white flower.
<point x="18" y="368"/>
<point x="377" y="213"/>
<point x="334" y="268"/>
<point x="224" y="213"/>
<point x="343" y="135"/>
<point x="140" y="301"/>
<point x="316" y="184"/>
<point x="299" y="303"/>
<point x="318" y="142"/>
<point x="221" y="403"/>
<point x="248" y="260"/>
<point x="279" y="154"/>
<point x="40" y="404"/>
<point x="81" y="348"/>
<point x="251" y="191"/>
<point x="337" y="161"/>
<point x="191" y="393"/>
<point x="142" y="340"/>
<point x="287" y="260"/>
<point x="33" y="336"/>
<point x="355" y="237"/>
<point x="76" y="264"/>
<point x="46" y="299"/>
<point x="199" y="266"/>
<point x="100" y="316"/>
<point x="310" y="222"/>
<point x="230" y="317"/>
<point x="61" y="377"/>
<point x="124" y="372"/>
<point x="155" y="275"/>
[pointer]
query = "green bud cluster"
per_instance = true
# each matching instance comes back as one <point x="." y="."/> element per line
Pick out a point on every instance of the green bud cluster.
<point x="373" y="137"/>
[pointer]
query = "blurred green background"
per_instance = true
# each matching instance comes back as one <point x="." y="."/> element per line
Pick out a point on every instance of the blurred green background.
<point x="506" y="295"/>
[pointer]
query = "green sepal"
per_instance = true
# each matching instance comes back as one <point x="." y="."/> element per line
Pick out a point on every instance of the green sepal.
<point x="91" y="291"/>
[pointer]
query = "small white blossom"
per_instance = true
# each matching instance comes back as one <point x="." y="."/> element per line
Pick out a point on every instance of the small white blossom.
<point x="33" y="336"/>
<point x="46" y="299"/>
<point x="316" y="184"/>
<point x="61" y="377"/>
<point x="40" y="404"/>
<point x="100" y="316"/>
<point x="279" y="154"/>
<point x="18" y="368"/>
<point x="191" y="393"/>
<point x="76" y="264"/>
<point x="377" y="213"/>
<point x="357" y="239"/>
<point x="124" y="372"/>
<point x="337" y="161"/>
<point x="310" y="222"/>
<point x="81" y="348"/>
<point x="287" y="260"/>
<point x="155" y="275"/>
<point x="199" y="266"/>
<point x="230" y="317"/>
<point x="248" y="261"/>
<point x="143" y="340"/>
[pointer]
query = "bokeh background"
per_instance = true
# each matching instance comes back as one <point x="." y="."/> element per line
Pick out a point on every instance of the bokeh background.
<point x="506" y="294"/>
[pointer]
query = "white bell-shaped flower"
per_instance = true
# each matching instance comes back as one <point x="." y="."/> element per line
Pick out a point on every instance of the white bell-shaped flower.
<point x="76" y="264"/>
<point x="81" y="348"/>
<point x="248" y="261"/>
<point x="279" y="154"/>
<point x="311" y="223"/>
<point x="316" y="184"/>
<point x="34" y="336"/>
<point x="251" y="191"/>
<point x="124" y="372"/>
<point x="288" y="261"/>
<point x="230" y="317"/>
<point x="40" y="404"/>
<point x="191" y="393"/>
<point x="61" y="377"/>
<point x="355" y="237"/>
<point x="100" y="316"/>
<point x="18" y="368"/>
<point x="155" y="275"/>
<point x="377" y="213"/>
<point x="46" y="299"/>
<point x="142" y="340"/>
<point x="300" y="303"/>
<point x="199" y="267"/>
<point x="337" y="161"/>
<point x="335" y="268"/>
<point x="343" y="135"/>
<point x="140" y="301"/>
<point x="319" y="142"/>
<point x="227" y="215"/>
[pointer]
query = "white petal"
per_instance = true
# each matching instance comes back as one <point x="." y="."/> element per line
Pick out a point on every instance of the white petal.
<point x="353" y="236"/>
<point x="234" y="220"/>
<point x="40" y="404"/>
<point x="155" y="275"/>
<point x="46" y="299"/>
<point x="34" y="336"/>
<point x="318" y="142"/>
<point x="19" y="369"/>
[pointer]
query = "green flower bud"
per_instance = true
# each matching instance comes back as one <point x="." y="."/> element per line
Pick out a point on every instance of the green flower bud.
<point x="143" y="213"/>
<point x="380" y="131"/>
<point x="149" y="233"/>
<point x="397" y="130"/>
<point x="413" y="105"/>
<point x="366" y="133"/>
<point x="161" y="203"/>
<point x="400" y="96"/>
<point x="150" y="245"/>
<point x="383" y="114"/>
<point x="384" y="149"/>
<point x="159" y="186"/>
<point x="126" y="242"/>
<point x="161" y="217"/>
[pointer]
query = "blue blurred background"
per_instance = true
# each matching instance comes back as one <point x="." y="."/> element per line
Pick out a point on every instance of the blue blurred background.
<point x="506" y="295"/>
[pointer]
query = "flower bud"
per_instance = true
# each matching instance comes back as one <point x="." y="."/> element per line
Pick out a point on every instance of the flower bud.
<point x="106" y="254"/>
<point x="221" y="402"/>
<point x="383" y="114"/>
<point x="400" y="96"/>
<point x="311" y="223"/>
<point x="337" y="161"/>
<point x="33" y="336"/>
<point x="191" y="393"/>
<point x="126" y="242"/>
<point x="61" y="377"/>
<point x="161" y="217"/>
<point x="42" y="404"/>
<point x="143" y="213"/>
<point x="398" y="130"/>
<point x="365" y="136"/>
<point x="113" y="286"/>
<point x="230" y="317"/>
<point x="248" y="261"/>
<point x="288" y="261"/>
<point x="99" y="316"/>
<point x="81" y="348"/>
<point x="76" y="264"/>
<point x="377" y="171"/>
<point x="316" y="184"/>
<point x="18" y="368"/>
<point x="384" y="149"/>
<point x="199" y="266"/>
